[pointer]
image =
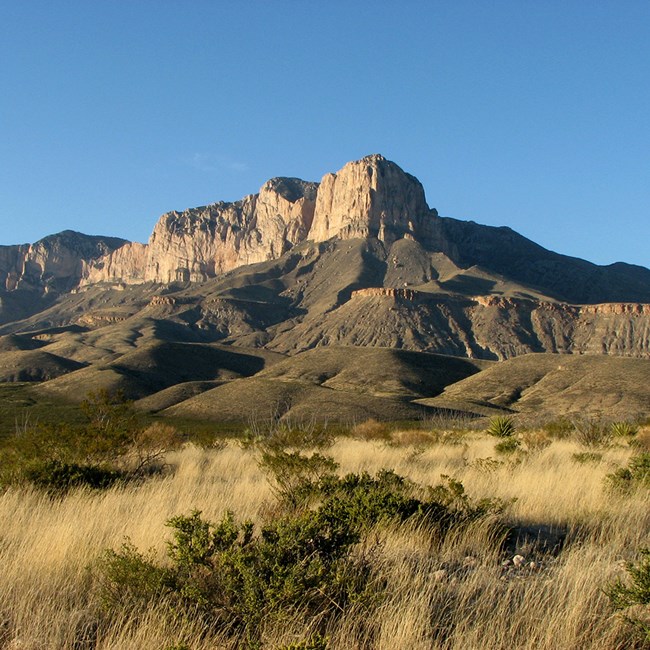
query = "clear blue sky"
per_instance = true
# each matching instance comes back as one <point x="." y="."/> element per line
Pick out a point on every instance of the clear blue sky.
<point x="534" y="115"/>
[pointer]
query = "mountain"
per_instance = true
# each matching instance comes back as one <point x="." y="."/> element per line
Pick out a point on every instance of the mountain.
<point x="356" y="261"/>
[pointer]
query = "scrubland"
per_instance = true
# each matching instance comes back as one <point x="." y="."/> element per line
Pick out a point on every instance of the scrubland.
<point x="533" y="569"/>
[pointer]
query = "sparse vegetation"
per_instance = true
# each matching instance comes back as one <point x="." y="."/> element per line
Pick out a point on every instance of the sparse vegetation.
<point x="112" y="443"/>
<point x="282" y="545"/>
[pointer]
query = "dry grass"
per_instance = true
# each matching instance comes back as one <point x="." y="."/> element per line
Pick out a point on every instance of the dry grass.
<point x="451" y="594"/>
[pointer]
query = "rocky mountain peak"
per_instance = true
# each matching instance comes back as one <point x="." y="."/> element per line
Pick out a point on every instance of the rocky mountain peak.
<point x="371" y="197"/>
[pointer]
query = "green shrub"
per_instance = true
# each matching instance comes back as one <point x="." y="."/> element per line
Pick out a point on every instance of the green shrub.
<point x="635" y="475"/>
<point x="112" y="444"/>
<point x="293" y="473"/>
<point x="58" y="477"/>
<point x="501" y="427"/>
<point x="300" y="563"/>
<point x="560" y="428"/>
<point x="507" y="446"/>
<point x="635" y="591"/>
<point x="587" y="457"/>
<point x="314" y="642"/>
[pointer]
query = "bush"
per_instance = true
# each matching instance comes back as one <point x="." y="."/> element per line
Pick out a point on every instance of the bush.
<point x="507" y="446"/>
<point x="58" y="477"/>
<point x="501" y="427"/>
<point x="591" y="432"/>
<point x="298" y="564"/>
<point x="625" y="596"/>
<point x="635" y="475"/>
<point x="112" y="444"/>
<point x="371" y="430"/>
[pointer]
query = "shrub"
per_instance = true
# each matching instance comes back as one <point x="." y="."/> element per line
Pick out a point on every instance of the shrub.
<point x="591" y="432"/>
<point x="293" y="473"/>
<point x="371" y="429"/>
<point x="587" y="457"/>
<point x="625" y="596"/>
<point x="300" y="563"/>
<point x="58" y="477"/>
<point x="560" y="428"/>
<point x="112" y="444"/>
<point x="635" y="475"/>
<point x="501" y="427"/>
<point x="507" y="446"/>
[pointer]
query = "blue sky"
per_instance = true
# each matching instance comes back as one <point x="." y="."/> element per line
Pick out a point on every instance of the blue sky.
<point x="534" y="115"/>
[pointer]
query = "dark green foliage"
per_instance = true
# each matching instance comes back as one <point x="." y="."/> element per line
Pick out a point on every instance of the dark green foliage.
<point x="501" y="427"/>
<point x="111" y="444"/>
<point x="635" y="475"/>
<point x="507" y="446"/>
<point x="298" y="564"/>
<point x="633" y="592"/>
<point x="587" y="457"/>
<point x="294" y="473"/>
<point x="314" y="642"/>
<point x="560" y="428"/>
<point x="58" y="477"/>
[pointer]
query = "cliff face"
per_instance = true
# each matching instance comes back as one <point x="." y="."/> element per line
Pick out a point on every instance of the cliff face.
<point x="371" y="197"/>
<point x="54" y="263"/>
<point x="201" y="243"/>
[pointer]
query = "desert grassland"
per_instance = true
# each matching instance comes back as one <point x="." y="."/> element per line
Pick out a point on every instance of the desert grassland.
<point x="450" y="593"/>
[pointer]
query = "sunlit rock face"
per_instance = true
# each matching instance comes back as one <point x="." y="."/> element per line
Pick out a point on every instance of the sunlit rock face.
<point x="371" y="197"/>
<point x="54" y="263"/>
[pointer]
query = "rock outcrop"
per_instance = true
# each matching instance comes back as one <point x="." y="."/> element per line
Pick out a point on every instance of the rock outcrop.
<point x="371" y="197"/>
<point x="55" y="263"/>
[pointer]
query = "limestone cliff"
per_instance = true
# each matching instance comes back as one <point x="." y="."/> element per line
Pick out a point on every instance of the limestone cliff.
<point x="371" y="197"/>
<point x="201" y="243"/>
<point x="54" y="263"/>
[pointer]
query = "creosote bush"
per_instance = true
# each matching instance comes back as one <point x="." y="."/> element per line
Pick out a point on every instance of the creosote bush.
<point x="635" y="475"/>
<point x="112" y="445"/>
<point x="627" y="596"/>
<point x="237" y="576"/>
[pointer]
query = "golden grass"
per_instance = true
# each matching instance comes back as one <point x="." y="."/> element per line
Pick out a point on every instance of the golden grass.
<point x="451" y="594"/>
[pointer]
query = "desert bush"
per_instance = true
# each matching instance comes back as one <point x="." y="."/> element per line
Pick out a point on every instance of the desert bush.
<point x="635" y="475"/>
<point x="591" y="432"/>
<point x="57" y="477"/>
<point x="414" y="437"/>
<point x="536" y="440"/>
<point x="293" y="473"/>
<point x="507" y="446"/>
<point x="642" y="439"/>
<point x="559" y="428"/>
<point x="587" y="457"/>
<point x="239" y="577"/>
<point x="501" y="426"/>
<point x="111" y="444"/>
<point x="627" y="596"/>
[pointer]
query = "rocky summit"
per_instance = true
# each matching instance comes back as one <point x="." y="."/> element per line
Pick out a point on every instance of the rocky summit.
<point x="357" y="261"/>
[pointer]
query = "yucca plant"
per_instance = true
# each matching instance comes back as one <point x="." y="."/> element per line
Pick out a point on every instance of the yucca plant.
<point x="501" y="426"/>
<point x="624" y="429"/>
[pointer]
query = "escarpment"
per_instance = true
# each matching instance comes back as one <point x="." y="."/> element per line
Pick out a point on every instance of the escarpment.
<point x="359" y="259"/>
